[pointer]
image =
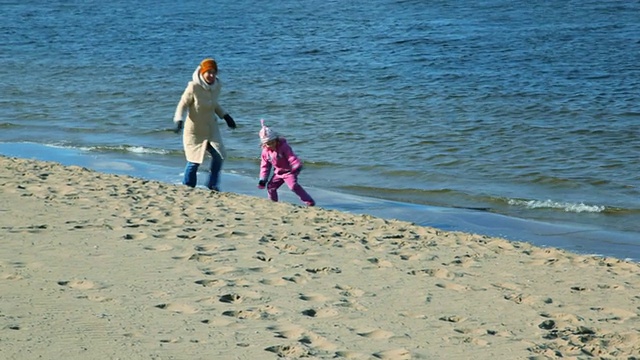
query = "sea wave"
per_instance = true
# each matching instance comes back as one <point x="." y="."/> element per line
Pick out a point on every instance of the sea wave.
<point x="134" y="149"/>
<point x="456" y="198"/>
<point x="116" y="149"/>
<point x="565" y="206"/>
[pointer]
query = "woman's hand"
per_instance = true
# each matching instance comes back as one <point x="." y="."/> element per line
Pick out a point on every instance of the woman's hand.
<point x="178" y="128"/>
<point x="230" y="123"/>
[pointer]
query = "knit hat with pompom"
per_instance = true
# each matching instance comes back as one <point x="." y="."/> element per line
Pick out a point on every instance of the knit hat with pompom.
<point x="266" y="134"/>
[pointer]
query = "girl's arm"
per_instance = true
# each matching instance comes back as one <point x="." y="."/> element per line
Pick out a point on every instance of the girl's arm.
<point x="265" y="167"/>
<point x="294" y="161"/>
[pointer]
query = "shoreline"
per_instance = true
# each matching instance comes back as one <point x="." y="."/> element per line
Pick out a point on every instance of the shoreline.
<point x="104" y="265"/>
<point x="576" y="238"/>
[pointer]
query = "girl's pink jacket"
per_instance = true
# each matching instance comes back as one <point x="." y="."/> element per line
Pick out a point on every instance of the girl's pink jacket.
<point x="282" y="159"/>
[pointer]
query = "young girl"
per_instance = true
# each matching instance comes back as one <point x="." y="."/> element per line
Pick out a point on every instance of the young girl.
<point x="277" y="154"/>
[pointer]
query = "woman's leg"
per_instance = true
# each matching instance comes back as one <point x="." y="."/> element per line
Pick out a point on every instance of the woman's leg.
<point x="190" y="174"/>
<point x="216" y="166"/>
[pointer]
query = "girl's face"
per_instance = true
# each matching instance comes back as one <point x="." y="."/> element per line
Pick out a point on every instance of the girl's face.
<point x="271" y="144"/>
<point x="209" y="76"/>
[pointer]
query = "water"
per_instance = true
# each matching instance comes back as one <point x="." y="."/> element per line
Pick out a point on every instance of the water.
<point x="528" y="109"/>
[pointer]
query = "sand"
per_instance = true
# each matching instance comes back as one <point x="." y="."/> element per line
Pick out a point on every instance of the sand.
<point x="101" y="266"/>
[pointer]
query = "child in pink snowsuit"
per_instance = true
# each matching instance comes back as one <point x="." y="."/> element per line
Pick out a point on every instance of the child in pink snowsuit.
<point x="277" y="154"/>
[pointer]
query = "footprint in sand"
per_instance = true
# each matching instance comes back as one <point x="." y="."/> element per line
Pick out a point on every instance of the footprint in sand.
<point x="452" y="286"/>
<point x="477" y="332"/>
<point x="154" y="217"/>
<point x="579" y="288"/>
<point x="320" y="313"/>
<point x="235" y="298"/>
<point x="408" y="256"/>
<point x="217" y="322"/>
<point x="439" y="273"/>
<point x="614" y="314"/>
<point x="564" y="319"/>
<point x="16" y="264"/>
<point x="297" y="278"/>
<point x="262" y="256"/>
<point x="12" y="277"/>
<point x="191" y="230"/>
<point x="289" y="351"/>
<point x="231" y="298"/>
<point x="308" y="338"/>
<point x="219" y="271"/>
<point x="266" y="312"/>
<point x="198" y="257"/>
<point x="324" y="270"/>
<point x="521" y="298"/>
<point x="239" y="283"/>
<point x="95" y="298"/>
<point x="264" y="269"/>
<point x="380" y="263"/>
<point x="352" y="355"/>
<point x="206" y="247"/>
<point x="317" y="342"/>
<point x="131" y="237"/>
<point x="414" y="315"/>
<point x="351" y="303"/>
<point x="274" y="282"/>
<point x="395" y="354"/>
<point x="79" y="224"/>
<point x="313" y="297"/>
<point x="464" y="261"/>
<point x="287" y="331"/>
<point x="230" y="234"/>
<point x="133" y="225"/>
<point x="178" y="308"/>
<point x="452" y="318"/>
<point x="161" y="247"/>
<point x="375" y="334"/>
<point x="349" y="291"/>
<point x="291" y="249"/>
<point x="78" y="284"/>
<point x="211" y="283"/>
<point x="170" y="341"/>
<point x="507" y="286"/>
<point x="186" y="236"/>
<point x="34" y="229"/>
<point x="472" y="340"/>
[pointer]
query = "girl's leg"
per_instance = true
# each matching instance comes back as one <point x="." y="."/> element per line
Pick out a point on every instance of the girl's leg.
<point x="292" y="183"/>
<point x="273" y="186"/>
<point x="190" y="174"/>
<point x="216" y="166"/>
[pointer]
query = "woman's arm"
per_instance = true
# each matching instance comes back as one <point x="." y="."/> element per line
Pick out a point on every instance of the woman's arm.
<point x="183" y="105"/>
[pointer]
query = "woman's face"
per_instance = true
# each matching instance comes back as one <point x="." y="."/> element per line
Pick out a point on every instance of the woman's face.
<point x="209" y="76"/>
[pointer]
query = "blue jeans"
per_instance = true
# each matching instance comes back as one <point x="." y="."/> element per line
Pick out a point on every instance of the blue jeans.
<point x="191" y="171"/>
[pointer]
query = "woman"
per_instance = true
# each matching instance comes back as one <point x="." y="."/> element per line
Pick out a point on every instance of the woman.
<point x="201" y="132"/>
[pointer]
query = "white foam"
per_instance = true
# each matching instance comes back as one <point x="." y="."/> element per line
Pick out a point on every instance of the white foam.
<point x="550" y="204"/>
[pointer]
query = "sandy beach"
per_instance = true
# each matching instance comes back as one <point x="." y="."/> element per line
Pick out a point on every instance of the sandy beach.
<point x="101" y="266"/>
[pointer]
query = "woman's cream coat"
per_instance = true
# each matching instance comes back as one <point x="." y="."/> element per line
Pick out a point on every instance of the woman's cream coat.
<point x="201" y="126"/>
